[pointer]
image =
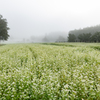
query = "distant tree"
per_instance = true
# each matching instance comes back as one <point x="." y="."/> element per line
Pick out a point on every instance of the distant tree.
<point x="3" y="29"/>
<point x="61" y="39"/>
<point x="80" y="37"/>
<point x="45" y="39"/>
<point x="71" y="38"/>
<point x="85" y="37"/>
<point x="96" y="37"/>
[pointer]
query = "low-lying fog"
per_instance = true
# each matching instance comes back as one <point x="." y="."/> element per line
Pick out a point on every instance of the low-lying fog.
<point x="47" y="20"/>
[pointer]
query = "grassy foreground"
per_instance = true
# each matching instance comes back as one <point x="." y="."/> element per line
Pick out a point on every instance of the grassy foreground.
<point x="54" y="71"/>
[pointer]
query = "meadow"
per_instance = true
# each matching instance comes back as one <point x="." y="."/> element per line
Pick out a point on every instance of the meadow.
<point x="50" y="71"/>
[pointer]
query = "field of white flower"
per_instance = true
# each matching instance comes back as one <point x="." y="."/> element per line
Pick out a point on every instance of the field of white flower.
<point x="69" y="71"/>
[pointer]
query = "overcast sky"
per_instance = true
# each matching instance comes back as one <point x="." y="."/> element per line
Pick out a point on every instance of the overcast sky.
<point x="39" y="17"/>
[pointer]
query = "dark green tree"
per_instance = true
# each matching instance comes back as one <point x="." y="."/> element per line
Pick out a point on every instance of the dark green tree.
<point x="81" y="37"/>
<point x="3" y="29"/>
<point x="71" y="38"/>
<point x="96" y="37"/>
<point x="85" y="37"/>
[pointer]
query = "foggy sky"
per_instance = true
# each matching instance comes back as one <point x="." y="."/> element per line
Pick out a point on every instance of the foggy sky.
<point x="39" y="17"/>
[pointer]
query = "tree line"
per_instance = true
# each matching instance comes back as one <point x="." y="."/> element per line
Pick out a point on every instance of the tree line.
<point x="90" y="34"/>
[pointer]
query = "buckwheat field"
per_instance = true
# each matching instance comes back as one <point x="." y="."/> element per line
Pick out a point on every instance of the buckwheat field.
<point x="54" y="71"/>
